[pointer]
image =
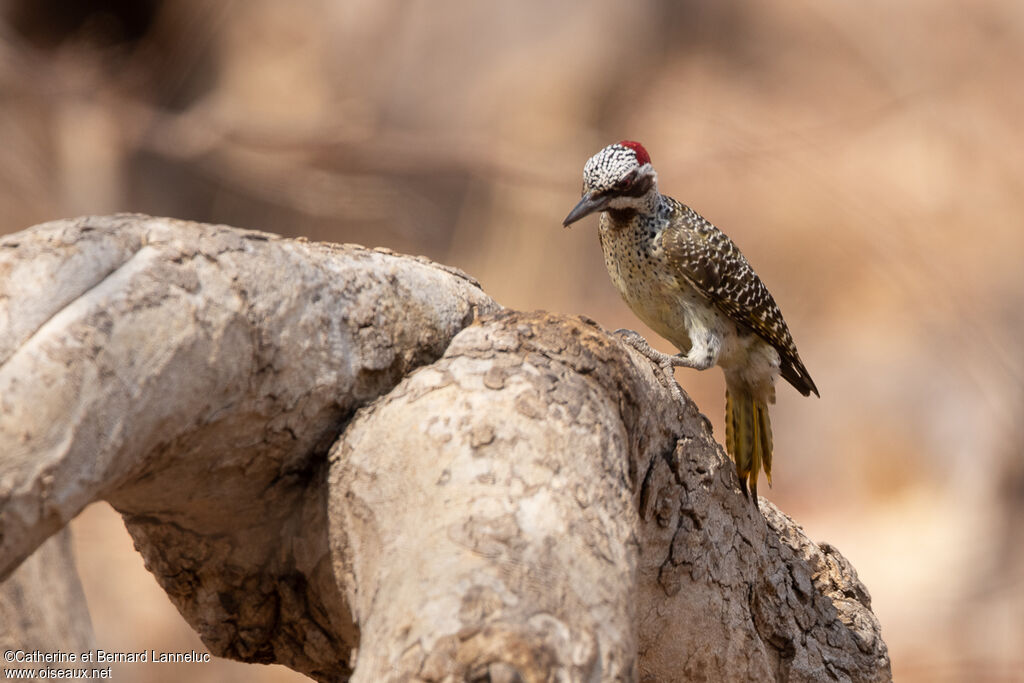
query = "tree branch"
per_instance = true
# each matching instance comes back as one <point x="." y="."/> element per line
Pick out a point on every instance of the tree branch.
<point x="529" y="504"/>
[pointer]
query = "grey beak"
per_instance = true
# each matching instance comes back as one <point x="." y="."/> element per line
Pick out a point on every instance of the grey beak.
<point x="588" y="205"/>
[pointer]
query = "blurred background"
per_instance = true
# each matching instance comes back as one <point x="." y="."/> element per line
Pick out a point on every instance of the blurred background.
<point x="867" y="157"/>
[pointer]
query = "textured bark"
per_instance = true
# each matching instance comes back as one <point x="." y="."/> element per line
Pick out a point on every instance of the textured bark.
<point x="529" y="504"/>
<point x="194" y="377"/>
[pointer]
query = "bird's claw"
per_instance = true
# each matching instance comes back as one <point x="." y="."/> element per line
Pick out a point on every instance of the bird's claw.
<point x="632" y="337"/>
<point x="671" y="384"/>
<point x="665" y="363"/>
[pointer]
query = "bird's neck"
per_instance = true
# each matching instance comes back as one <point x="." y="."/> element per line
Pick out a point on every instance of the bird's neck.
<point x="649" y="206"/>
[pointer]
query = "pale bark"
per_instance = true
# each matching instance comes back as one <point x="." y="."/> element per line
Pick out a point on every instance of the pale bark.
<point x="529" y="504"/>
<point x="42" y="606"/>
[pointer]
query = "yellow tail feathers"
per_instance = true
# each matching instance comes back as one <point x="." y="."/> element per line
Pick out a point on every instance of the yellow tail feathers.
<point x="748" y="437"/>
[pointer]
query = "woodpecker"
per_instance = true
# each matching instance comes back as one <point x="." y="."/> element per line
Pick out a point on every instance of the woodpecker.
<point x="688" y="282"/>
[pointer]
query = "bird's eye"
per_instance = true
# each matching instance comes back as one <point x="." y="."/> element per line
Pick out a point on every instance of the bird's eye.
<point x="626" y="182"/>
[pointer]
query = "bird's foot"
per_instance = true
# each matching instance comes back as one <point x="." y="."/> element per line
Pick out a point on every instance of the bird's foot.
<point x="665" y="362"/>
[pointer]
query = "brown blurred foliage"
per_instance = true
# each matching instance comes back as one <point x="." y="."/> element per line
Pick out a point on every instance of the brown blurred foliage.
<point x="867" y="157"/>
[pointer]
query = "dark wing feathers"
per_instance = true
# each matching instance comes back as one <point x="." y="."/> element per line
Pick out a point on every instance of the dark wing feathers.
<point x="709" y="260"/>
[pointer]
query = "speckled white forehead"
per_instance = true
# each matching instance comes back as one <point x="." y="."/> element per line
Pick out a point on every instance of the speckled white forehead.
<point x="610" y="165"/>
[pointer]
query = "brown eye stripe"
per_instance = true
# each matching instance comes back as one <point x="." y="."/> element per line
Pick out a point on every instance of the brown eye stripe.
<point x="638" y="188"/>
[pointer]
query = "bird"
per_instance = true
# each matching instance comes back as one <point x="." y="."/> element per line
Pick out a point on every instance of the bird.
<point x="688" y="281"/>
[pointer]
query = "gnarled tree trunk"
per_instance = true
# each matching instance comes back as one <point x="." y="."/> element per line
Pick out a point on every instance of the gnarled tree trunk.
<point x="356" y="464"/>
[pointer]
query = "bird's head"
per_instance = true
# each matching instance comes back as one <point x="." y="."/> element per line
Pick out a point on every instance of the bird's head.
<point x="620" y="176"/>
